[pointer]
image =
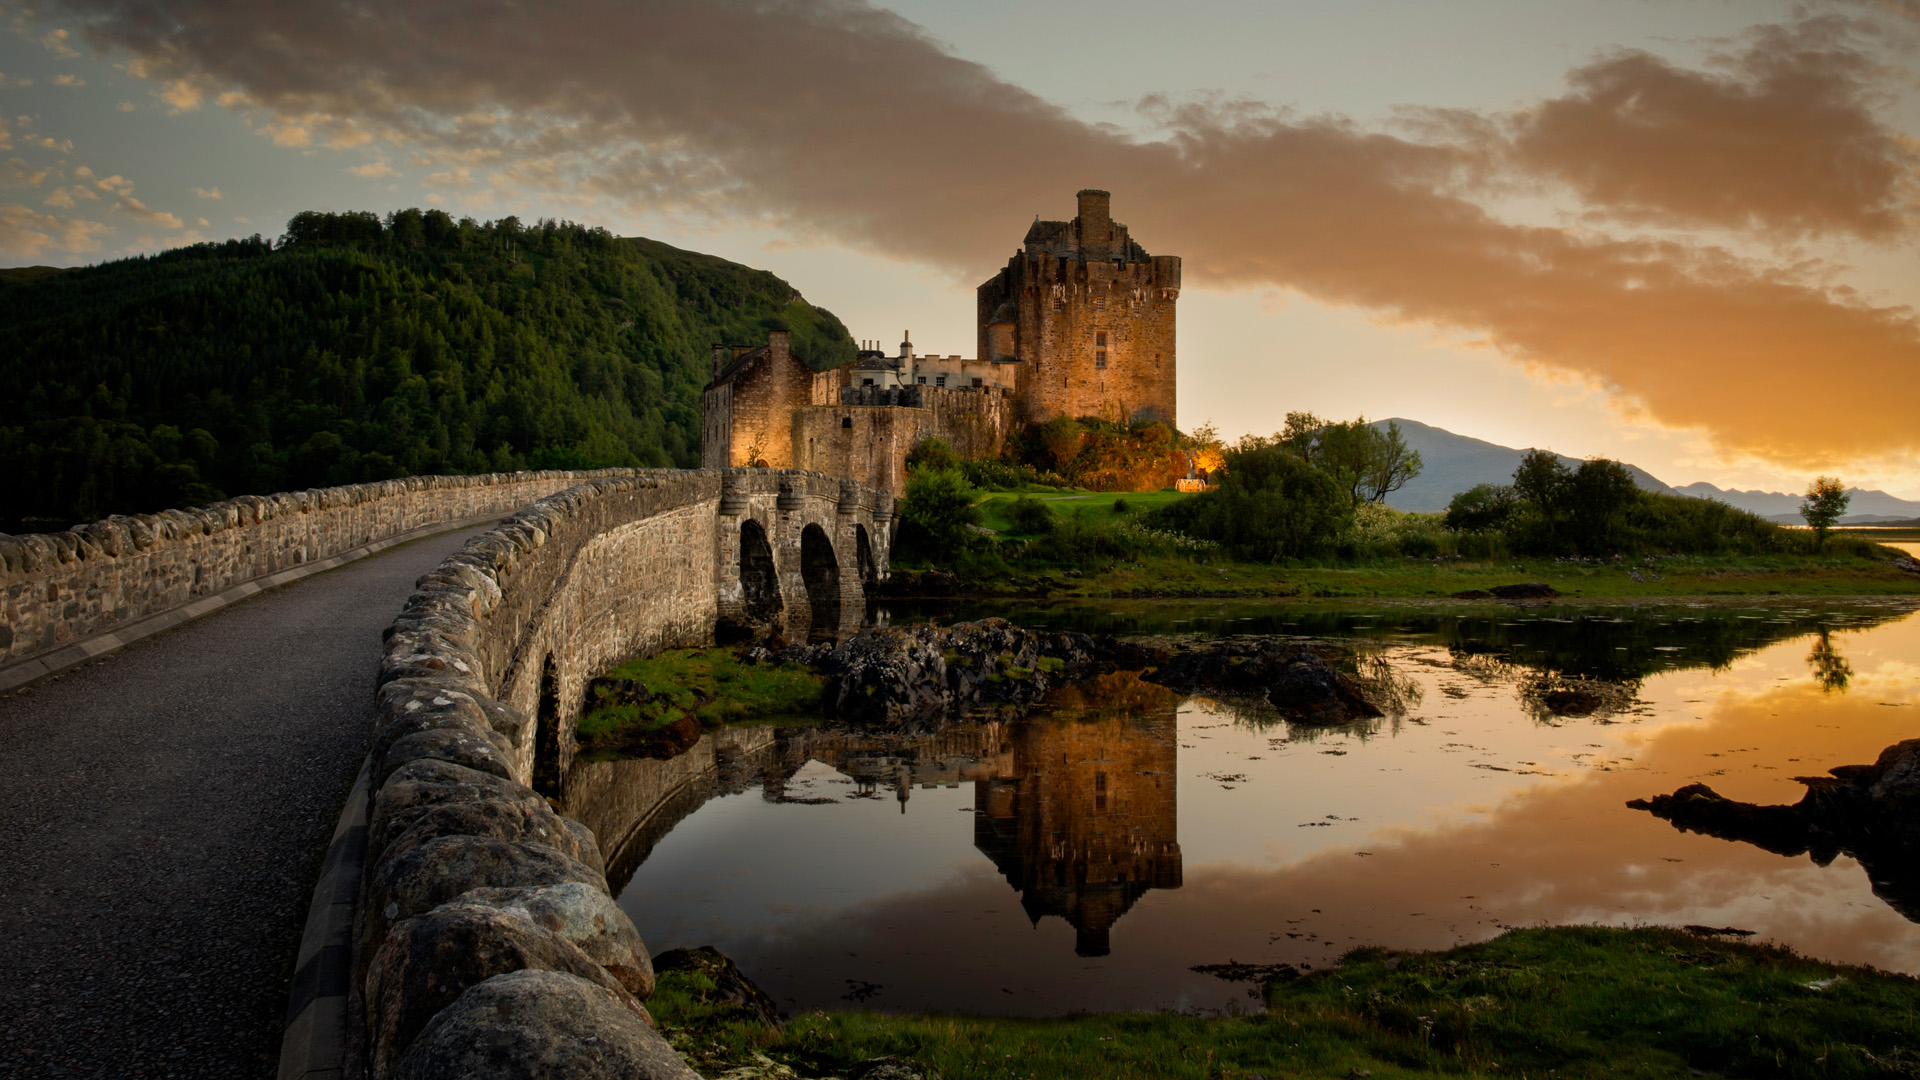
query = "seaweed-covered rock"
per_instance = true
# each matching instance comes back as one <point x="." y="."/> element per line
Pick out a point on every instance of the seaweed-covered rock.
<point x="730" y="984"/>
<point x="1294" y="678"/>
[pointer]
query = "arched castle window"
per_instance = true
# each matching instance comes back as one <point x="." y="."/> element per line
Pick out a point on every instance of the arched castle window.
<point x="1100" y="350"/>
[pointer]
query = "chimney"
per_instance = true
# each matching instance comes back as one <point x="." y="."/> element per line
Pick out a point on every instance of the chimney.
<point x="1096" y="224"/>
<point x="719" y="360"/>
<point x="779" y="342"/>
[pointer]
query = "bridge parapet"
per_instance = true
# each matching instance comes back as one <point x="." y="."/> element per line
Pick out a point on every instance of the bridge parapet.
<point x="478" y="694"/>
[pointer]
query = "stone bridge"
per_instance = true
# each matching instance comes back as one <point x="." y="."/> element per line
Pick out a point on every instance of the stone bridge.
<point x="478" y="694"/>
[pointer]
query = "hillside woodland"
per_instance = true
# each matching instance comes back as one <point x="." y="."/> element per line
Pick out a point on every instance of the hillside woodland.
<point x="357" y="348"/>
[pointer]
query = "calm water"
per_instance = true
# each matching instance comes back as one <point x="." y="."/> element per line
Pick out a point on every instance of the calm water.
<point x="1087" y="856"/>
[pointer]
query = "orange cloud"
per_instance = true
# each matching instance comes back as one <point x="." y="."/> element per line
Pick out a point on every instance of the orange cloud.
<point x="834" y="118"/>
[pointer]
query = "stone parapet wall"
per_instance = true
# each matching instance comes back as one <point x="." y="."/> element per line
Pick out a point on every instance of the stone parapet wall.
<point x="57" y="589"/>
<point x="485" y="918"/>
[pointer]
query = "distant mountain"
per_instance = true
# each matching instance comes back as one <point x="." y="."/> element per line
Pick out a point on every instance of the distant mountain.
<point x="1453" y="463"/>
<point x="1867" y="507"/>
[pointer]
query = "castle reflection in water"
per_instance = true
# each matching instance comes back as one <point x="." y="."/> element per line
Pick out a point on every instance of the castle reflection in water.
<point x="1078" y="809"/>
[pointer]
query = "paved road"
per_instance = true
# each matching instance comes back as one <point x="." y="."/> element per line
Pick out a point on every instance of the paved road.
<point x="163" y="815"/>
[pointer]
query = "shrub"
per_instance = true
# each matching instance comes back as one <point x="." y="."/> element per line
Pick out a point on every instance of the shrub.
<point x="1122" y="506"/>
<point x="1270" y="505"/>
<point x="1031" y="517"/>
<point x="1482" y="508"/>
<point x="938" y="515"/>
<point x="932" y="454"/>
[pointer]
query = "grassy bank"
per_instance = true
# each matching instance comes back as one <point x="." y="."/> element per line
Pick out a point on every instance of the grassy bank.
<point x="1563" y="1002"/>
<point x="1777" y="575"/>
<point x="691" y="689"/>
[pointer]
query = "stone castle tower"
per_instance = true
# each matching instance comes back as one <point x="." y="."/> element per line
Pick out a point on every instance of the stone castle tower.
<point x="1089" y="315"/>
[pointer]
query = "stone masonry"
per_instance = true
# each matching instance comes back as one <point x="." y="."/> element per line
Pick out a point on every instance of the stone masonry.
<point x="1090" y="317"/>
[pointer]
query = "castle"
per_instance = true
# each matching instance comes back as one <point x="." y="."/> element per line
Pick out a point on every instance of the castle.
<point x="1080" y="322"/>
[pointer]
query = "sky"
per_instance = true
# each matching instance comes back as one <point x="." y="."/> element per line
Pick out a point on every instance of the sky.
<point x="1679" y="233"/>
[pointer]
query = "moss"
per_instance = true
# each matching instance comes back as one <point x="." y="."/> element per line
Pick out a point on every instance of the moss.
<point x="1570" y="1002"/>
<point x="710" y="686"/>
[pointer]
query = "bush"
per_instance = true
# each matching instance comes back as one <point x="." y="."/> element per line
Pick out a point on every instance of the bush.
<point x="932" y="454"/>
<point x="1122" y="506"/>
<point x="1270" y="505"/>
<point x="1087" y="537"/>
<point x="1380" y="530"/>
<point x="937" y="517"/>
<point x="1003" y="476"/>
<point x="1483" y="508"/>
<point x="1031" y="517"/>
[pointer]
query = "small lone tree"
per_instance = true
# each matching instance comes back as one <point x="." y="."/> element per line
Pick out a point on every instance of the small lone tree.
<point x="1826" y="501"/>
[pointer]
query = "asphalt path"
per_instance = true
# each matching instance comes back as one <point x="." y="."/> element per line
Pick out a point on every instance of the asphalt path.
<point x="163" y="815"/>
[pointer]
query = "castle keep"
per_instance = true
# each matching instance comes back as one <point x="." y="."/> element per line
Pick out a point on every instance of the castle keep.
<point x="1080" y="322"/>
<point x="1089" y="316"/>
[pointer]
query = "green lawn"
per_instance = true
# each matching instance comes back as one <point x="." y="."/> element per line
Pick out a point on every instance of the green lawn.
<point x="1566" y="1002"/>
<point x="1066" y="503"/>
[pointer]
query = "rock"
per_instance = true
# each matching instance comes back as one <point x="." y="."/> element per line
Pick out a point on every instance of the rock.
<point x="428" y="782"/>
<point x="890" y="1068"/>
<point x="1310" y="691"/>
<point x="1532" y="590"/>
<point x="585" y="916"/>
<point x="1295" y="679"/>
<point x="458" y="745"/>
<point x="730" y="983"/>
<point x="1473" y="594"/>
<point x="1908" y="563"/>
<point x="1871" y="812"/>
<point x="501" y="819"/>
<point x="426" y="962"/>
<point x="908" y="674"/>
<point x="619" y="691"/>
<point x="531" y="1025"/>
<point x="431" y="873"/>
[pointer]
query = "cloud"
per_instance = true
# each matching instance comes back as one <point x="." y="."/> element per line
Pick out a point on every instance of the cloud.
<point x="1784" y="139"/>
<point x="933" y="158"/>
<point x="134" y="208"/>
<point x="69" y="80"/>
<point x="15" y="173"/>
<point x="374" y="170"/>
<point x="207" y="192"/>
<point x="25" y="233"/>
<point x="116" y="183"/>
<point x="56" y="43"/>
<point x="6" y="135"/>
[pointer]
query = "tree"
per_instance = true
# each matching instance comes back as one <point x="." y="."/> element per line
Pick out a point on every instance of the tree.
<point x="1598" y="495"/>
<point x="1348" y="453"/>
<point x="1826" y="502"/>
<point x="1270" y="504"/>
<point x="937" y="515"/>
<point x="1482" y="508"/>
<point x="1209" y="453"/>
<point x="1393" y="463"/>
<point x="1062" y="437"/>
<point x="1301" y="436"/>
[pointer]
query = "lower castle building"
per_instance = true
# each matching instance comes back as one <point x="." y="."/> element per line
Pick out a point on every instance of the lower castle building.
<point x="1080" y="322"/>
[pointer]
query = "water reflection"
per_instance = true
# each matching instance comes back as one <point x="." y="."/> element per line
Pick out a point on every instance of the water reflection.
<point x="1164" y="832"/>
<point x="1084" y="819"/>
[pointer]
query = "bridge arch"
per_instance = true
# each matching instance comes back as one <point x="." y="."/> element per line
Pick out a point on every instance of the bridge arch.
<point x="759" y="576"/>
<point x="820" y="574"/>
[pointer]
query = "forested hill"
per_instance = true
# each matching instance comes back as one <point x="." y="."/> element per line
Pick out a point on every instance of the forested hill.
<point x="360" y="349"/>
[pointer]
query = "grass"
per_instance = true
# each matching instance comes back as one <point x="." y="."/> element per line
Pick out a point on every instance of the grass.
<point x="1567" y="1002"/>
<point x="711" y="686"/>
<point x="1771" y="575"/>
<point x="1066" y="502"/>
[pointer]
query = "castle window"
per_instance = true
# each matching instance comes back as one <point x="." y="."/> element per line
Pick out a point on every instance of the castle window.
<point x="1057" y="305"/>
<point x="1100" y="359"/>
<point x="922" y="380"/>
<point x="866" y="382"/>
<point x="846" y="421"/>
<point x="976" y="382"/>
<point x="1100" y="305"/>
<point x="939" y="380"/>
<point x="1100" y="339"/>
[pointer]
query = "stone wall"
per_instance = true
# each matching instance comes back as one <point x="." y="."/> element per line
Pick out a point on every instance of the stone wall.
<point x="868" y="436"/>
<point x="59" y="589"/>
<point x="485" y="919"/>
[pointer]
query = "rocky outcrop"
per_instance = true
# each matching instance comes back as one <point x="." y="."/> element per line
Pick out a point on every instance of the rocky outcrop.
<point x="917" y="674"/>
<point x="730" y="984"/>
<point x="1870" y="812"/>
<point x="1295" y="679"/>
<point x="533" y="1024"/>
